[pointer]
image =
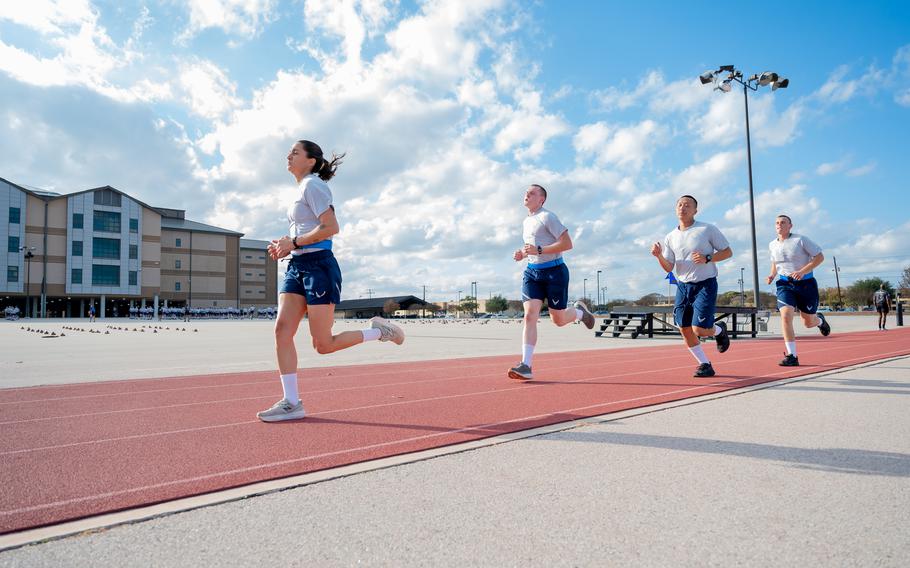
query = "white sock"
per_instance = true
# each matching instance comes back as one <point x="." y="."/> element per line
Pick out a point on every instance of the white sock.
<point x="717" y="330"/>
<point x="699" y="354"/>
<point x="289" y="384"/>
<point x="371" y="334"/>
<point x="527" y="353"/>
<point x="791" y="347"/>
<point x="579" y="314"/>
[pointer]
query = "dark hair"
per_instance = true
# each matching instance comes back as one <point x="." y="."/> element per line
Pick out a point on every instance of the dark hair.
<point x="787" y="217"/>
<point x="690" y="197"/>
<point x="541" y="188"/>
<point x="322" y="168"/>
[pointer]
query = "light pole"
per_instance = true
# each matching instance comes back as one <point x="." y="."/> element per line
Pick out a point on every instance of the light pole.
<point x="28" y="277"/>
<point x="584" y="289"/>
<point x="598" y="289"/>
<point x="474" y="293"/>
<point x="742" y="291"/>
<point x="458" y="305"/>
<point x="752" y="83"/>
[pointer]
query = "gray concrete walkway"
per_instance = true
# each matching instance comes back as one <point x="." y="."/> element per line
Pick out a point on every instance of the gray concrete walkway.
<point x="809" y="473"/>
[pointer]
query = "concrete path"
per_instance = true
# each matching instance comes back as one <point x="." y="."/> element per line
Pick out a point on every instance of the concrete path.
<point x="810" y="473"/>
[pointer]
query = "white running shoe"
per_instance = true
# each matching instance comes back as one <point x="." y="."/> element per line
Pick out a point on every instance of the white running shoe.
<point x="388" y="330"/>
<point x="282" y="410"/>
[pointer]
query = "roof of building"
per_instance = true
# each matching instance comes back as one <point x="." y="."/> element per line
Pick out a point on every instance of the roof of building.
<point x="253" y="244"/>
<point x="378" y="303"/>
<point x="187" y="225"/>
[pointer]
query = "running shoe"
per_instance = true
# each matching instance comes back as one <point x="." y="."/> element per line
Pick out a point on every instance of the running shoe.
<point x="789" y="360"/>
<point x="723" y="338"/>
<point x="282" y="410"/>
<point x="388" y="330"/>
<point x="587" y="317"/>
<point x="521" y="372"/>
<point x="824" y="326"/>
<point x="704" y="370"/>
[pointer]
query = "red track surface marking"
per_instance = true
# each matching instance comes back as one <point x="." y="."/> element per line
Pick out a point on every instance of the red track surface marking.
<point x="72" y="451"/>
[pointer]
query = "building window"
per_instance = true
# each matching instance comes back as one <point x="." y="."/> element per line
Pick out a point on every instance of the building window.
<point x="248" y="257"/>
<point x="12" y="244"/>
<point x="261" y="258"/>
<point x="179" y="242"/>
<point x="134" y="225"/>
<point x="107" y="197"/>
<point x="76" y="276"/>
<point x="77" y="248"/>
<point x="77" y="220"/>
<point x="176" y="286"/>
<point x="134" y="252"/>
<point x="106" y="248"/>
<point x="105" y="275"/>
<point x="177" y="264"/>
<point x="249" y="273"/>
<point x="134" y="277"/>
<point x="12" y="273"/>
<point x="107" y="221"/>
<point x="14" y="213"/>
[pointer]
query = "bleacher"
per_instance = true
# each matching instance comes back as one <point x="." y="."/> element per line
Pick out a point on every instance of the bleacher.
<point x="648" y="321"/>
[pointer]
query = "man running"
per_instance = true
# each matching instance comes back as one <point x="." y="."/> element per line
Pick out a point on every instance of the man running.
<point x="693" y="248"/>
<point x="794" y="257"/>
<point x="545" y="278"/>
<point x="882" y="301"/>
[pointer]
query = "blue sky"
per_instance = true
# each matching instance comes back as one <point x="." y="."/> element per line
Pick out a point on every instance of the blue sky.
<point x="448" y="109"/>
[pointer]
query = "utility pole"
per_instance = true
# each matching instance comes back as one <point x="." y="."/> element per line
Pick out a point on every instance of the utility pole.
<point x="423" y="310"/>
<point x="837" y="278"/>
<point x="370" y="293"/>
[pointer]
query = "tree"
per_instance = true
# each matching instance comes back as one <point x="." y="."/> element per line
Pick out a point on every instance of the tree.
<point x="905" y="282"/>
<point x="469" y="304"/>
<point x="497" y="304"/>
<point x="860" y="292"/>
<point x="390" y="307"/>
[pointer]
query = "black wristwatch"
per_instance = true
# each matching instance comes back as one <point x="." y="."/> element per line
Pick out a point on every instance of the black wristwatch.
<point x="708" y="258"/>
<point x="539" y="249"/>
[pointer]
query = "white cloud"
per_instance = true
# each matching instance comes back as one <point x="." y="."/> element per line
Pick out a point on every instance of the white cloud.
<point x="829" y="168"/>
<point x="862" y="170"/>
<point x="244" y="18"/>
<point x="628" y="147"/>
<point x="208" y="90"/>
<point x="613" y="98"/>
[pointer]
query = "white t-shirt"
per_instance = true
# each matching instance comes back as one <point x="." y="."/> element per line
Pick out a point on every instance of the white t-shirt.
<point x="678" y="247"/>
<point x="542" y="228"/>
<point x="793" y="253"/>
<point x="303" y="214"/>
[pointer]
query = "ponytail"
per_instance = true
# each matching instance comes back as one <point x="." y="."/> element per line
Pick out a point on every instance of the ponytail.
<point x="323" y="168"/>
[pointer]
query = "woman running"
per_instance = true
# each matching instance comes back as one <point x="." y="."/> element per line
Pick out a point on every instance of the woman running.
<point x="312" y="283"/>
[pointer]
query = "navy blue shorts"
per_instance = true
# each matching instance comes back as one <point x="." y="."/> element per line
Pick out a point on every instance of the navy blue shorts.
<point x="550" y="284"/>
<point x="799" y="294"/>
<point x="695" y="303"/>
<point x="315" y="276"/>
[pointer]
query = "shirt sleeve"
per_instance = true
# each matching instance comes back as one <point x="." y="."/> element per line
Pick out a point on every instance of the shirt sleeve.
<point x="667" y="252"/>
<point x="717" y="239"/>
<point x="317" y="197"/>
<point x="810" y="247"/>
<point x="554" y="225"/>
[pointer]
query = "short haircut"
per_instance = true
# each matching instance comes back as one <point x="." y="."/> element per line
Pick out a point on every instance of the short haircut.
<point x="690" y="197"/>
<point x="787" y="217"/>
<point x="541" y="188"/>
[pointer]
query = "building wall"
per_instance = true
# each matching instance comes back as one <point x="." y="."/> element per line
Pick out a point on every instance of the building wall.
<point x="257" y="278"/>
<point x="84" y="204"/>
<point x="11" y="196"/>
<point x="210" y="259"/>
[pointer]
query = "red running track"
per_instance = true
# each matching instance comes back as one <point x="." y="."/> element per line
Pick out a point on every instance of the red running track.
<point x="84" y="449"/>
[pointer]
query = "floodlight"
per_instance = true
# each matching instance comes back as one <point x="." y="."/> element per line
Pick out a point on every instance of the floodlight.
<point x="767" y="78"/>
<point x="728" y="68"/>
<point x="753" y="78"/>
<point x="782" y="84"/>
<point x="725" y="86"/>
<point x="706" y="77"/>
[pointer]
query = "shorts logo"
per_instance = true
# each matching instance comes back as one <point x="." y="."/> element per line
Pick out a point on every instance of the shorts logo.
<point x="809" y="308"/>
<point x="701" y="319"/>
<point x="555" y="302"/>
<point x="318" y="295"/>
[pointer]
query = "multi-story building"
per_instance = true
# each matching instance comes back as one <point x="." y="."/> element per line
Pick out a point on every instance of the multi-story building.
<point x="102" y="247"/>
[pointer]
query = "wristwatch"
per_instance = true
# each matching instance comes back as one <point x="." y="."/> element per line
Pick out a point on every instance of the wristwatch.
<point x="708" y="258"/>
<point x="539" y="249"/>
